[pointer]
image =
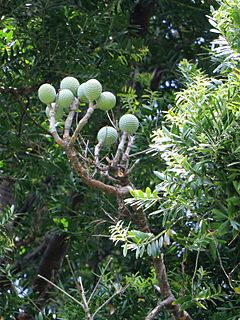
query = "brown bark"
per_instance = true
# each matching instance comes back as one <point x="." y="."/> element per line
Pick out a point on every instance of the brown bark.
<point x="141" y="15"/>
<point x="155" y="312"/>
<point x="6" y="193"/>
<point x="50" y="264"/>
<point x="90" y="182"/>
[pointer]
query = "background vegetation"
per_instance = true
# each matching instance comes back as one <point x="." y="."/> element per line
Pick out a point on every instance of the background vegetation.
<point x="155" y="56"/>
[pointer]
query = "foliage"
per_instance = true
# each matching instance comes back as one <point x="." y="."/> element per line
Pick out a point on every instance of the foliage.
<point x="43" y="41"/>
<point x="226" y="23"/>
<point x="139" y="241"/>
<point x="6" y="242"/>
<point x="199" y="188"/>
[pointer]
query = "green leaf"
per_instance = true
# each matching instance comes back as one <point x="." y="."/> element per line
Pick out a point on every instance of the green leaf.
<point x="201" y="305"/>
<point x="137" y="253"/>
<point x="219" y="215"/>
<point x="213" y="249"/>
<point x="133" y="193"/>
<point x="160" y="242"/>
<point x="142" y="250"/>
<point x="224" y="228"/>
<point x="155" y="194"/>
<point x="181" y="300"/>
<point x="160" y="175"/>
<point x="237" y="290"/>
<point x="154" y="248"/>
<point x="149" y="249"/>
<point x="235" y="224"/>
<point x="148" y="192"/>
<point x="140" y="194"/>
<point x="40" y="316"/>
<point x="125" y="249"/>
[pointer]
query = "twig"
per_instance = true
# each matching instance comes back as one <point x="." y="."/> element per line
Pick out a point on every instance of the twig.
<point x="230" y="273"/>
<point x="120" y="148"/>
<point x="72" y="272"/>
<point x="97" y="150"/>
<point x="101" y="166"/>
<point x="140" y="152"/>
<point x="152" y="314"/>
<point x="72" y="155"/>
<point x="84" y="300"/>
<point x="109" y="118"/>
<point x="233" y="239"/>
<point x="125" y="156"/>
<point x="81" y="290"/>
<point x="52" y="123"/>
<point x="195" y="268"/>
<point x="69" y="120"/>
<point x="99" y="280"/>
<point x="82" y="122"/>
<point x="105" y="174"/>
<point x="86" y="149"/>
<point x="109" y="216"/>
<point x="224" y="271"/>
<point x="108" y="300"/>
<point x="103" y="170"/>
<point x="133" y="166"/>
<point x="60" y="289"/>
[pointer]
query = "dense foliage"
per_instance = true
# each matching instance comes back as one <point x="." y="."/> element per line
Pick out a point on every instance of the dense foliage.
<point x="199" y="188"/>
<point x="193" y="211"/>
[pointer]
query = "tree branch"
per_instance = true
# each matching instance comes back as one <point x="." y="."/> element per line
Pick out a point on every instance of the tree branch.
<point x="82" y="172"/>
<point x="126" y="154"/>
<point x="161" y="273"/>
<point x="52" y="123"/>
<point x="60" y="289"/>
<point x="84" y="300"/>
<point x="82" y="122"/>
<point x="162" y="277"/>
<point x="97" y="150"/>
<point x="120" y="148"/>
<point x="152" y="314"/>
<point x="166" y="291"/>
<point x="69" y="120"/>
<point x="108" y="300"/>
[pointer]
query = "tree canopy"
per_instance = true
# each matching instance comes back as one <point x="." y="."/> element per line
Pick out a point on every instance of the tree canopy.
<point x="146" y="229"/>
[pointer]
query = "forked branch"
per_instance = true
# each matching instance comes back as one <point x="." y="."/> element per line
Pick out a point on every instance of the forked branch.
<point x="52" y="121"/>
<point x="83" y="122"/>
<point x="92" y="183"/>
<point x="69" y="120"/>
<point x="120" y="148"/>
<point x="155" y="312"/>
